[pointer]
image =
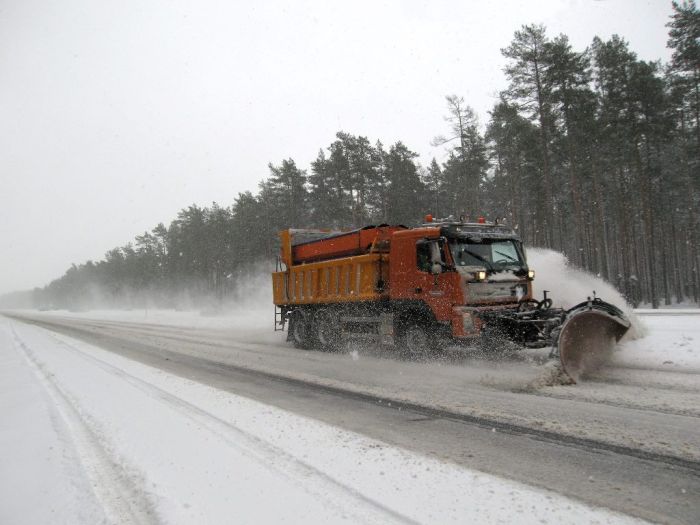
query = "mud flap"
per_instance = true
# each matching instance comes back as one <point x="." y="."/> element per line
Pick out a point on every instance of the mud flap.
<point x="588" y="336"/>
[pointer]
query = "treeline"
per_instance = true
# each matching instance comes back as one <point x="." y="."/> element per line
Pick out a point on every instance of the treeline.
<point x="591" y="152"/>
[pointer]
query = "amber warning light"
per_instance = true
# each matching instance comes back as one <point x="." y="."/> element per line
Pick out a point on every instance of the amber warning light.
<point x="429" y="218"/>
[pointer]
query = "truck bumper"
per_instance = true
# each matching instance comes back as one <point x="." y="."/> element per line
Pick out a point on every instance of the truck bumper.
<point x="467" y="322"/>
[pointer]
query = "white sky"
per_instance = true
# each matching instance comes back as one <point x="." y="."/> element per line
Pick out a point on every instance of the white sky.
<point x="115" y="115"/>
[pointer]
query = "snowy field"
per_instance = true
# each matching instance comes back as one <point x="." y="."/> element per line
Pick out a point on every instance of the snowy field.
<point x="97" y="438"/>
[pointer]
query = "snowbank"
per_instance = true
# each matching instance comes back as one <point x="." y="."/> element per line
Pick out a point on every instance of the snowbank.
<point x="672" y="342"/>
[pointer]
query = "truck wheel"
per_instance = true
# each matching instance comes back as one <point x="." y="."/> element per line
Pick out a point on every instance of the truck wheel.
<point x="415" y="341"/>
<point x="327" y="330"/>
<point x="299" y="330"/>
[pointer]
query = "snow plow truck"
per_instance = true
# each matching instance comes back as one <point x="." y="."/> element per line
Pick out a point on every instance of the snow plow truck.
<point x="417" y="289"/>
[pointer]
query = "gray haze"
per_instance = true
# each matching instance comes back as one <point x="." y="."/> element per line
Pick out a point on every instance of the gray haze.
<point x="115" y="115"/>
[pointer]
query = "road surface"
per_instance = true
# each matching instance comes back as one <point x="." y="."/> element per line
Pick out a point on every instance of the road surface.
<point x="629" y="440"/>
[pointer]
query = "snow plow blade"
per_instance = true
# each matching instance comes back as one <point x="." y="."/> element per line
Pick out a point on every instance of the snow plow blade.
<point x="588" y="335"/>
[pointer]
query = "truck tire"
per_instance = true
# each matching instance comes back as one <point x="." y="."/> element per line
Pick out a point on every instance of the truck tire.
<point x="299" y="330"/>
<point x="415" y="341"/>
<point x="326" y="329"/>
<point x="494" y="343"/>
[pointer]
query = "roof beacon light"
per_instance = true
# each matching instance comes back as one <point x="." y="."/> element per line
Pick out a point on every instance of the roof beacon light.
<point x="482" y="220"/>
<point x="429" y="218"/>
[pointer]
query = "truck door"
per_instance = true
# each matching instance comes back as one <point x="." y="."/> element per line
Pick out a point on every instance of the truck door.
<point x="441" y="288"/>
<point x="430" y="265"/>
<point x="411" y="273"/>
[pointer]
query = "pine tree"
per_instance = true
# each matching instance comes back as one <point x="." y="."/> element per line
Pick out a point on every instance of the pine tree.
<point x="529" y="56"/>
<point x="404" y="186"/>
<point x="434" y="182"/>
<point x="513" y="142"/>
<point x="327" y="200"/>
<point x="287" y="189"/>
<point x="568" y="77"/>
<point x="684" y="79"/>
<point x="467" y="164"/>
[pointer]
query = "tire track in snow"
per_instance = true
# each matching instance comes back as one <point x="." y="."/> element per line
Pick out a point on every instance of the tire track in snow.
<point x="628" y="404"/>
<point x="613" y="373"/>
<point x="179" y="334"/>
<point x="116" y="489"/>
<point x="164" y="332"/>
<point x="268" y="455"/>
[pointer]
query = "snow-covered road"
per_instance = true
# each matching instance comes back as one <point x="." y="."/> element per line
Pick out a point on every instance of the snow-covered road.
<point x="96" y="436"/>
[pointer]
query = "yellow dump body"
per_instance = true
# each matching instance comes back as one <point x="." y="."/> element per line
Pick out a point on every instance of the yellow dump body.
<point x="349" y="279"/>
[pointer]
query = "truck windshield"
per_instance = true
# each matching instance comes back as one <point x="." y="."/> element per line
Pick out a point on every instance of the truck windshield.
<point x="494" y="254"/>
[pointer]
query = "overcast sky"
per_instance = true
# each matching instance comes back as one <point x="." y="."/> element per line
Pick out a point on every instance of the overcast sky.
<point x="115" y="115"/>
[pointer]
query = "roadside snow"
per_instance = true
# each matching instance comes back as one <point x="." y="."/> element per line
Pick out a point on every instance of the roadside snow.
<point x="672" y="342"/>
<point x="40" y="476"/>
<point x="256" y="318"/>
<point x="669" y="310"/>
<point x="253" y="324"/>
<point x="156" y="447"/>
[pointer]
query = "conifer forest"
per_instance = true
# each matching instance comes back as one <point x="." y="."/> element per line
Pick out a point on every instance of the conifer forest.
<point x="591" y="152"/>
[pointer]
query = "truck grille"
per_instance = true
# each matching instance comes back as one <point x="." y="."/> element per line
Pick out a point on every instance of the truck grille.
<point x="496" y="291"/>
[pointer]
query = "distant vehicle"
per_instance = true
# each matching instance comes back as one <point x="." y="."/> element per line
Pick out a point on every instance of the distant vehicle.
<point x="416" y="289"/>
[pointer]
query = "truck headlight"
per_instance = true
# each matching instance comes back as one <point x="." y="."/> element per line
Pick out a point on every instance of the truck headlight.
<point x="481" y="275"/>
<point x="531" y="274"/>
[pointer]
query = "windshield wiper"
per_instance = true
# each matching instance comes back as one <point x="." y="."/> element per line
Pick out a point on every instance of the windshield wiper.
<point x="477" y="256"/>
<point x="510" y="258"/>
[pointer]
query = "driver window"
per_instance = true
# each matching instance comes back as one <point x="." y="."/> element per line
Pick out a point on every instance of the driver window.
<point x="427" y="254"/>
<point x="423" y="256"/>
